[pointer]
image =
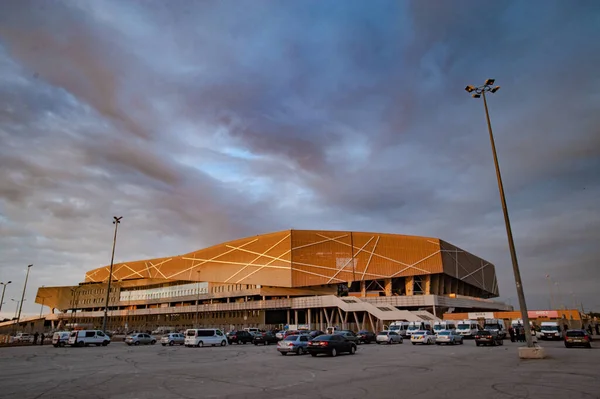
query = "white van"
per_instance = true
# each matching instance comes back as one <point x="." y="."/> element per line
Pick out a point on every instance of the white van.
<point x="551" y="330"/>
<point x="444" y="325"/>
<point x="399" y="327"/>
<point x="251" y="330"/>
<point x="415" y="326"/>
<point x="60" y="338"/>
<point x="467" y="328"/>
<point x="88" y="337"/>
<point x="204" y="337"/>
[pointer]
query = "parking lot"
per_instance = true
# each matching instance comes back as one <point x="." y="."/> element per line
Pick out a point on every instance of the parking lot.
<point x="247" y="371"/>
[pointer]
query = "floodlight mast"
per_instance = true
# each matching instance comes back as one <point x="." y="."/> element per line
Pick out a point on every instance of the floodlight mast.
<point x="478" y="92"/>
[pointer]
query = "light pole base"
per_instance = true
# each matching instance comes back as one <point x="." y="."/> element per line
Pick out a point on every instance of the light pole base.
<point x="537" y="352"/>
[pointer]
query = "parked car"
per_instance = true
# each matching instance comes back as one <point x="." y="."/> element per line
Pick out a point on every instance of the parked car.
<point x="424" y="337"/>
<point x="172" y="339"/>
<point x="265" y="338"/>
<point x="60" y="338"/>
<point x="449" y="337"/>
<point x="349" y="335"/>
<point x="366" y="337"/>
<point x="280" y="335"/>
<point x="293" y="344"/>
<point x="577" y="338"/>
<point x="140" y="338"/>
<point x="239" y="337"/>
<point x="331" y="345"/>
<point x="389" y="337"/>
<point x="487" y="337"/>
<point x="291" y="332"/>
<point x="23" y="337"/>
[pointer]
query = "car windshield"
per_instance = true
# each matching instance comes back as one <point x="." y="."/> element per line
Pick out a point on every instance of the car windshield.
<point x="291" y="338"/>
<point x="419" y="333"/>
<point x="383" y="333"/>
<point x="191" y="333"/>
<point x="444" y="333"/>
<point x="437" y="328"/>
<point x="550" y="328"/>
<point x="464" y="326"/>
<point x="413" y="328"/>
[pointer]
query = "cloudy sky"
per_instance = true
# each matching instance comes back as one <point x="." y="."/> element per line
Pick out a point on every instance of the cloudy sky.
<point x="204" y="121"/>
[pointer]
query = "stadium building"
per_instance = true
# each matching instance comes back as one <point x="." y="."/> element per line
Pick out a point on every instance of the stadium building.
<point x="316" y="278"/>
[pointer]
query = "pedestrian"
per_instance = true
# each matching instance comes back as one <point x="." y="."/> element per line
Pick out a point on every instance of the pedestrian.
<point x="511" y="332"/>
<point x="35" y="338"/>
<point x="42" y="339"/>
<point x="597" y="329"/>
<point x="521" y="334"/>
<point x="590" y="329"/>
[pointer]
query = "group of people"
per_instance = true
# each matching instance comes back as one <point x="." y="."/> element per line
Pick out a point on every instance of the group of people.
<point x="36" y="336"/>
<point x="517" y="334"/>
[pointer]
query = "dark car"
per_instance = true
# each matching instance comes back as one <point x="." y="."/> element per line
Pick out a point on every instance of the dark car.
<point x="331" y="345"/>
<point x="265" y="338"/>
<point x="349" y="335"/>
<point x="486" y="337"/>
<point x="239" y="337"/>
<point x="578" y="338"/>
<point x="366" y="337"/>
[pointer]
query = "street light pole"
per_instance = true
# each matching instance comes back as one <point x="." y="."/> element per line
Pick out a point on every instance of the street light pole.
<point x="17" y="308"/>
<point x="197" y="298"/>
<point x="480" y="92"/>
<point x="3" y="291"/>
<point x="23" y="295"/>
<point x="116" y="222"/>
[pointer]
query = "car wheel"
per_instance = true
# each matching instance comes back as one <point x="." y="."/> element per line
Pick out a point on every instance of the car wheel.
<point x="567" y="346"/>
<point x="438" y="343"/>
<point x="61" y="344"/>
<point x="477" y="343"/>
<point x="333" y="352"/>
<point x="390" y="342"/>
<point x="152" y="342"/>
<point x="378" y="343"/>
<point x="164" y="344"/>
<point x="81" y="344"/>
<point x="313" y="354"/>
<point x="414" y="343"/>
<point x="300" y="351"/>
<point x="171" y="343"/>
<point x="352" y="350"/>
<point x="105" y="343"/>
<point x="200" y="344"/>
<point x="283" y="353"/>
<point x="256" y="344"/>
<point x="137" y="343"/>
<point x="589" y="346"/>
<point x="223" y="343"/>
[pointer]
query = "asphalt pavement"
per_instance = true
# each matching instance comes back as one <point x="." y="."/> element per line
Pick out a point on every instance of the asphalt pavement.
<point x="247" y="371"/>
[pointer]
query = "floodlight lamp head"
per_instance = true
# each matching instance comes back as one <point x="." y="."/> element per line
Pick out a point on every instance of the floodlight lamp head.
<point x="490" y="82"/>
<point x="469" y="88"/>
<point x="495" y="89"/>
<point x="475" y="95"/>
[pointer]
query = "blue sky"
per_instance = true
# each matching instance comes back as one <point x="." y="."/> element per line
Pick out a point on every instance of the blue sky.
<point x="201" y="122"/>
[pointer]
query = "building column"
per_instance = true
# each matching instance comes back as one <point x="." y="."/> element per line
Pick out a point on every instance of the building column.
<point x="388" y="286"/>
<point x="309" y="321"/>
<point x="295" y="317"/>
<point x="288" y="317"/>
<point x="427" y="281"/>
<point x="363" y="289"/>
<point x="409" y="284"/>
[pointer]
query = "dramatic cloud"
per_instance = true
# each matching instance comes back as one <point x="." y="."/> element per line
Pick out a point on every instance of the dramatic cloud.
<point x="206" y="121"/>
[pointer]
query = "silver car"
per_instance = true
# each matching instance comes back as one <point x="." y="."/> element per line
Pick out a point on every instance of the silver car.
<point x="140" y="338"/>
<point x="172" y="339"/>
<point x="389" y="337"/>
<point x="448" y="337"/>
<point x="293" y="344"/>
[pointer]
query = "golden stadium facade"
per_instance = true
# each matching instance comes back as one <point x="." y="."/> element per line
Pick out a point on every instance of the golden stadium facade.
<point x="355" y="279"/>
